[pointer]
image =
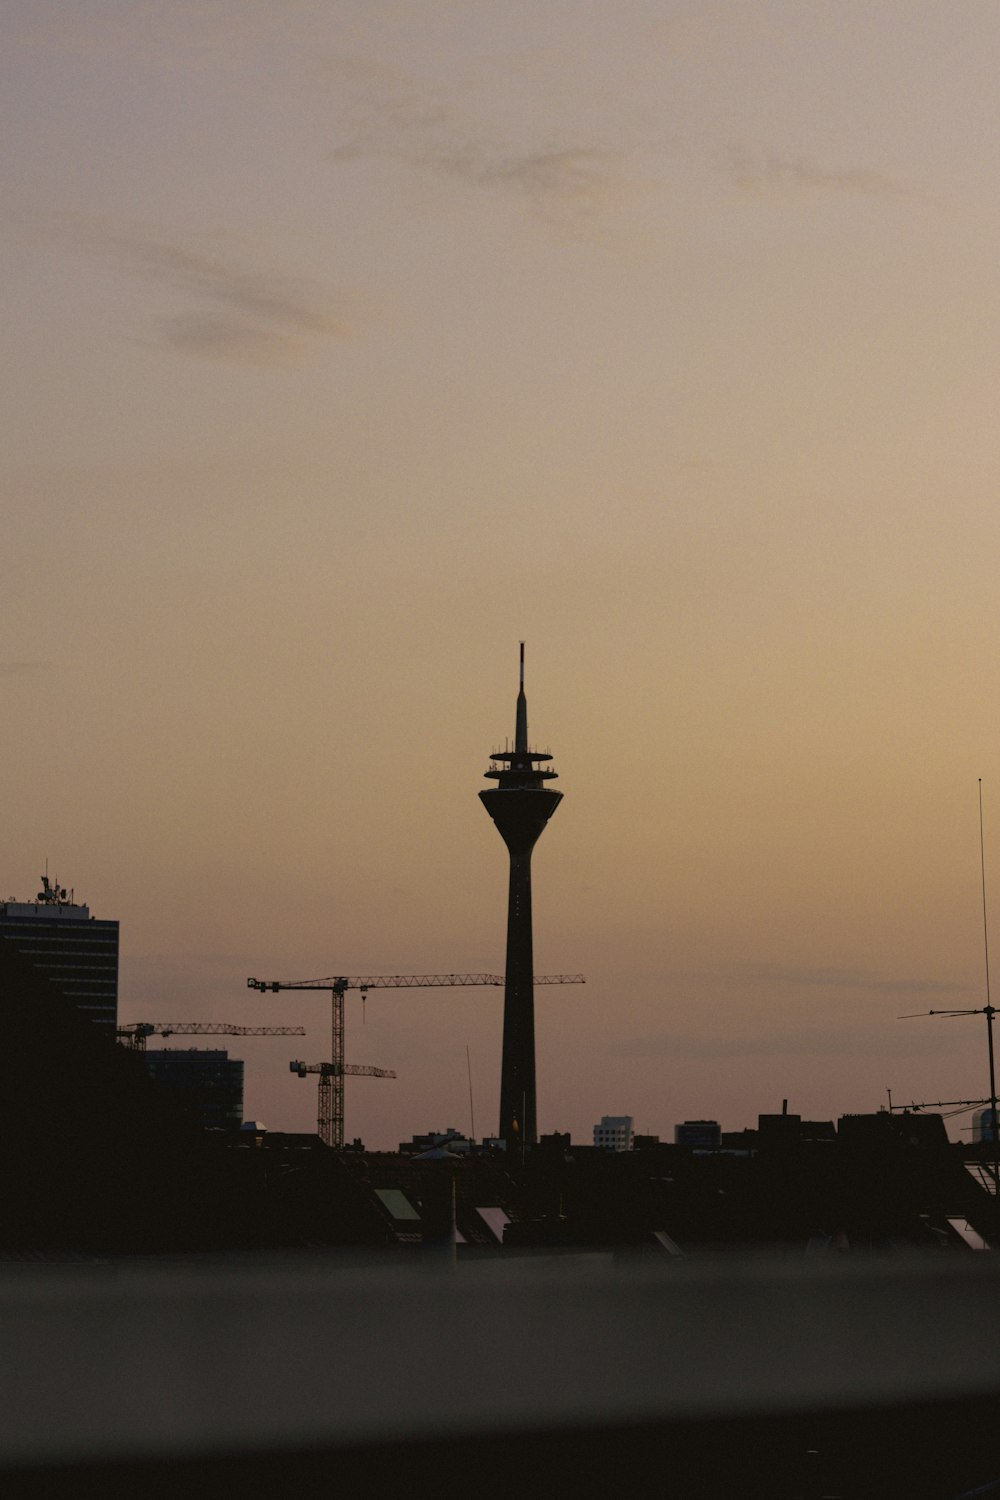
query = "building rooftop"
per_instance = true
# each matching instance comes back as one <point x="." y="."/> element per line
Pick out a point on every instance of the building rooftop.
<point x="46" y="911"/>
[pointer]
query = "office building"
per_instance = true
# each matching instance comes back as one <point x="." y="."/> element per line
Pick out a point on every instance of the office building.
<point x="208" y="1080"/>
<point x="450" y="1139"/>
<point x="614" y="1133"/>
<point x="698" y="1135"/>
<point x="77" y="953"/>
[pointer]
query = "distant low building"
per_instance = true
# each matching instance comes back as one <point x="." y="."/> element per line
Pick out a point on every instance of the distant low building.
<point x="878" y="1131"/>
<point x="982" y="1126"/>
<point x="698" y="1135"/>
<point x="614" y="1133"/>
<point x="779" y="1133"/>
<point x="449" y="1139"/>
<point x="740" y="1142"/>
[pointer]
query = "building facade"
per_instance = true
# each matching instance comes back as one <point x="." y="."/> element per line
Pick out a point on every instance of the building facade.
<point x="208" y="1080"/>
<point x="614" y="1133"/>
<point x="77" y="953"/>
<point x="698" y="1135"/>
<point x="449" y="1139"/>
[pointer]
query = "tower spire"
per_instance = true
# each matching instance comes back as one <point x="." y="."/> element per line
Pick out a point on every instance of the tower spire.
<point x="521" y="727"/>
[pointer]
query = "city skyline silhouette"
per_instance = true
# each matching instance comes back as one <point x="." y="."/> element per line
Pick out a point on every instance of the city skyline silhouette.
<point x="346" y="351"/>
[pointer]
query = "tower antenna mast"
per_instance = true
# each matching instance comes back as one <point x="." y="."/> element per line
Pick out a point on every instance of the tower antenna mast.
<point x="988" y="1010"/>
<point x="989" y="1007"/>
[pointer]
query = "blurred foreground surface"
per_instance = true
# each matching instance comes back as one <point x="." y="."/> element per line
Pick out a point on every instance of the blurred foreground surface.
<point x="739" y="1375"/>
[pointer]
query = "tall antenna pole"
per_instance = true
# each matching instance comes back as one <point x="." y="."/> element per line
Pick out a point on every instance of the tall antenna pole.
<point x="982" y="873"/>
<point x="989" y="1006"/>
<point x="468" y="1064"/>
<point x="472" y="1113"/>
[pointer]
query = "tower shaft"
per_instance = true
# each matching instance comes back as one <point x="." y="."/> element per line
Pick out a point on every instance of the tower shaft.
<point x="518" y="1122"/>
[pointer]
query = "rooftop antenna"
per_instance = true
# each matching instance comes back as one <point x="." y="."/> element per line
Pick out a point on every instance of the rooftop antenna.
<point x="988" y="1010"/>
<point x="472" y="1113"/>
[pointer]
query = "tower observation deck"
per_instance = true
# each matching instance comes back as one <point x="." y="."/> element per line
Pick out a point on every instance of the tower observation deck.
<point x="520" y="805"/>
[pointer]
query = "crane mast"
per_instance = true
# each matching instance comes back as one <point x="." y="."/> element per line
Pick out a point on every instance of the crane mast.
<point x="328" y="1075"/>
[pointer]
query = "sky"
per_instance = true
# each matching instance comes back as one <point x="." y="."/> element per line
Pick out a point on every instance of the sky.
<point x="348" y="343"/>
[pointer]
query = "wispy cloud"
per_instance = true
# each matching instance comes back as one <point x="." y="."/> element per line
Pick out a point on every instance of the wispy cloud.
<point x="572" y="183"/>
<point x="247" y="315"/>
<point x="224" y="307"/>
<point x="832" y="977"/>
<point x="568" y="183"/>
<point x="852" y="1041"/>
<point x="231" y="339"/>
<point x="762" y="976"/>
<point x="797" y="174"/>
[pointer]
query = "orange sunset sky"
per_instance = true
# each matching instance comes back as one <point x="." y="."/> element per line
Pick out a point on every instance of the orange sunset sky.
<point x="349" y="342"/>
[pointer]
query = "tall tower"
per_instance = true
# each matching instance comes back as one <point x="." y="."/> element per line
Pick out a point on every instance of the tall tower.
<point x="520" y="805"/>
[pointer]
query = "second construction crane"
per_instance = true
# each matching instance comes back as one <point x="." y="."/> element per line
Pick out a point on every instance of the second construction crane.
<point x="135" y="1035"/>
<point x="329" y="1074"/>
<point x="331" y="1116"/>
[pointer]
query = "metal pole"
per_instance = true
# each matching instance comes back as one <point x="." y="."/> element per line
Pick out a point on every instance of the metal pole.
<point x="990" y="1012"/>
<point x="472" y="1112"/>
<point x="989" y="1007"/>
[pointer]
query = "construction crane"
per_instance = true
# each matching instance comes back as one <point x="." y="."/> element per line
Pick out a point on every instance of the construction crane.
<point x="135" y="1036"/>
<point x="331" y="1126"/>
<point x="328" y="1072"/>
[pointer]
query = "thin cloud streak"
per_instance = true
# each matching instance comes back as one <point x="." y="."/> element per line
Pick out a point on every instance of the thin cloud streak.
<point x="761" y="975"/>
<point x="236" y="341"/>
<point x="579" y="182"/>
<point x="845" y="1043"/>
<point x="260" y="294"/>
<point x="849" y="979"/>
<point x="565" y="183"/>
<point x="255" y="317"/>
<point x="247" y="316"/>
<point x="798" y="173"/>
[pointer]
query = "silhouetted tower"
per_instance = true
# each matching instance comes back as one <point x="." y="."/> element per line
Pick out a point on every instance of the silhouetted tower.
<point x="520" y="805"/>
